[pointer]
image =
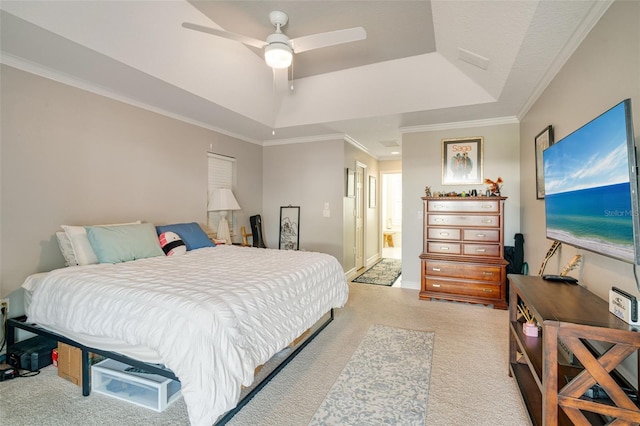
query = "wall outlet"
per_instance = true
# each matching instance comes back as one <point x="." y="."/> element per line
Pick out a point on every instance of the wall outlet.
<point x="4" y="303"/>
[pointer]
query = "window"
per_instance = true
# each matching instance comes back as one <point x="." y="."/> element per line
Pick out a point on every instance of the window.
<point x="221" y="172"/>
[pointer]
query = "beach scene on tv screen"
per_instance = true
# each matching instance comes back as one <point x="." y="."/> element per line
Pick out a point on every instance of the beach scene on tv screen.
<point x="587" y="188"/>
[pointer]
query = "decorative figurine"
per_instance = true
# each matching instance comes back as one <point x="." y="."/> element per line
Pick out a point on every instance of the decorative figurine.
<point x="427" y="191"/>
<point x="494" y="187"/>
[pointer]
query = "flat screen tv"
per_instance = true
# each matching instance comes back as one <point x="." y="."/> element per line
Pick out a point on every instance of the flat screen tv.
<point x="591" y="187"/>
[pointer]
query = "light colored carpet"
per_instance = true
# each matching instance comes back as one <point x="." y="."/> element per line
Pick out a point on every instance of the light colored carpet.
<point x="386" y="381"/>
<point x="469" y="378"/>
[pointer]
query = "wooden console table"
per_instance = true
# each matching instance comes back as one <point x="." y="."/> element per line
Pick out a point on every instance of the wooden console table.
<point x="553" y="391"/>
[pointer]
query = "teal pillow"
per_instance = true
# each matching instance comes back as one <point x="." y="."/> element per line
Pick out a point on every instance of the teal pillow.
<point x="191" y="233"/>
<point x="114" y="244"/>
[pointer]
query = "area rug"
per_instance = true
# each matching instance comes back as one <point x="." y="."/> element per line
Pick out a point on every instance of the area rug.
<point x="386" y="381"/>
<point x="385" y="272"/>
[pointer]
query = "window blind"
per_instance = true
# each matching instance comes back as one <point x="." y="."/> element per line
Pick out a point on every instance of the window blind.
<point x="220" y="175"/>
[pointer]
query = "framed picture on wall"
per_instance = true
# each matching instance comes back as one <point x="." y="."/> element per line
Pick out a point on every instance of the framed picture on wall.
<point x="289" y="228"/>
<point x="462" y="161"/>
<point x="543" y="140"/>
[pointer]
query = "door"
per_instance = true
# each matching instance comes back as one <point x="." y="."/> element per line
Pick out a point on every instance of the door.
<point x="359" y="214"/>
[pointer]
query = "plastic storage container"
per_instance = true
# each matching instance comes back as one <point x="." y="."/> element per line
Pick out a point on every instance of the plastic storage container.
<point x="146" y="390"/>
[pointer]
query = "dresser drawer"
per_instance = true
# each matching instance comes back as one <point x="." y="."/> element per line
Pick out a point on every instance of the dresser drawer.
<point x="469" y="271"/>
<point x="490" y="235"/>
<point x="443" y="248"/>
<point x="463" y="220"/>
<point x="492" y="250"/>
<point x="444" y="233"/>
<point x="463" y="288"/>
<point x="466" y="206"/>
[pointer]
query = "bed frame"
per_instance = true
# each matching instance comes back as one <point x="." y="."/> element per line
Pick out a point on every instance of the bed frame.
<point x="13" y="324"/>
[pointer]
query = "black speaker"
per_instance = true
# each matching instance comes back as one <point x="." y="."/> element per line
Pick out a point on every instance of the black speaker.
<point x="256" y="231"/>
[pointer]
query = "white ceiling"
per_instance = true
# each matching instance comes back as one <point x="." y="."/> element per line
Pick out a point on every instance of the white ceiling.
<point x="424" y="64"/>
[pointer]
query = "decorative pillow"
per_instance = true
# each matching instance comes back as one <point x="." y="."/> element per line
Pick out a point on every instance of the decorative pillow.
<point x="67" y="250"/>
<point x="171" y="244"/>
<point x="191" y="233"/>
<point x="114" y="244"/>
<point x="81" y="247"/>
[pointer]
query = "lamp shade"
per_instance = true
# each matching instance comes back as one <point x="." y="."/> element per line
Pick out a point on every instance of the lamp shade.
<point x="222" y="199"/>
<point x="278" y="55"/>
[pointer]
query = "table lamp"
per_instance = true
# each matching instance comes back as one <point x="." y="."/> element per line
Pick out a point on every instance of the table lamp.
<point x="222" y="200"/>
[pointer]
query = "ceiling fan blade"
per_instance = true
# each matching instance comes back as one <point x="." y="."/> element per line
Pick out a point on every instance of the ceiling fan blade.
<point x="331" y="38"/>
<point x="226" y="34"/>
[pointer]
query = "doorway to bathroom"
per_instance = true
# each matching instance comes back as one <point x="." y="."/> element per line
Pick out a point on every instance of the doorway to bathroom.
<point x="391" y="215"/>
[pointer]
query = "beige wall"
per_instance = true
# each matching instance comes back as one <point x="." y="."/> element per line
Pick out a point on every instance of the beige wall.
<point x="306" y="175"/>
<point x="422" y="166"/>
<point x="603" y="71"/>
<point x="73" y="157"/>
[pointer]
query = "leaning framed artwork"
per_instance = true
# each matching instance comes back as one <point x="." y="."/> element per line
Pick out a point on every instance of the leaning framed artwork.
<point x="543" y="140"/>
<point x="462" y="161"/>
<point x="289" y="228"/>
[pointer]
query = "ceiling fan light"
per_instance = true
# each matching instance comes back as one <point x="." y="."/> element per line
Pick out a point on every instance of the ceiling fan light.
<point x="278" y="55"/>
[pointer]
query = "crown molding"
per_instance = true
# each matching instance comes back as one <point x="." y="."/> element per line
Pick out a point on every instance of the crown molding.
<point x="460" y="125"/>
<point x="306" y="139"/>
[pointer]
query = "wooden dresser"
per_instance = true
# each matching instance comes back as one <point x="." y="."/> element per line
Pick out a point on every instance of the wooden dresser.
<point x="463" y="252"/>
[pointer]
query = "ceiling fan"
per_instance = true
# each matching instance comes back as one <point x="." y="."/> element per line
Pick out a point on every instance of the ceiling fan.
<point x="278" y="48"/>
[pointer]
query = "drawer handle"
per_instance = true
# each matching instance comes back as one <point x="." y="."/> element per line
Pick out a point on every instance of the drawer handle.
<point x="444" y="234"/>
<point x="487" y="221"/>
<point x="438" y="219"/>
<point x="481" y="250"/>
<point x="487" y="290"/>
<point x="487" y="273"/>
<point x="438" y="206"/>
<point x="436" y="285"/>
<point x="480" y="235"/>
<point x="444" y="248"/>
<point x="435" y="269"/>
<point x="487" y="206"/>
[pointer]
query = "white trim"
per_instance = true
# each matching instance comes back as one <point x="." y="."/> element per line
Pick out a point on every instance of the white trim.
<point x="306" y="139"/>
<point x="460" y="125"/>
<point x="221" y="157"/>
<point x="358" y="145"/>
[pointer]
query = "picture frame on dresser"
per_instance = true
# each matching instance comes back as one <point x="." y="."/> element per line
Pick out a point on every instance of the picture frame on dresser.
<point x="543" y="140"/>
<point x="462" y="161"/>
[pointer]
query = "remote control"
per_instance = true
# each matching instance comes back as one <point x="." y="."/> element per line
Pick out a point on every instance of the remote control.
<point x="560" y="278"/>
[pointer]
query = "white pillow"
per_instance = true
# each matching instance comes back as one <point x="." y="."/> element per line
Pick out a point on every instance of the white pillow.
<point x="81" y="247"/>
<point x="66" y="248"/>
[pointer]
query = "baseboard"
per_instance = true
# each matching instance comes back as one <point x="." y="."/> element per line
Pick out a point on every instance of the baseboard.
<point x="372" y="260"/>
<point x="410" y="284"/>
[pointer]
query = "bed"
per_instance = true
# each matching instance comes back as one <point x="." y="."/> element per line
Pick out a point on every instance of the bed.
<point x="211" y="316"/>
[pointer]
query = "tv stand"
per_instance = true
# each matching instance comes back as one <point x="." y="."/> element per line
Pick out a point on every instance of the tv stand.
<point x="554" y="391"/>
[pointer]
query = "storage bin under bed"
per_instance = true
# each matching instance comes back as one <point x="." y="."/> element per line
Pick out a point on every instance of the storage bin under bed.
<point x="146" y="390"/>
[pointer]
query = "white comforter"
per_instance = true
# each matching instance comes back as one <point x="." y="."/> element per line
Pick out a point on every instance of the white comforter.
<point x="213" y="314"/>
